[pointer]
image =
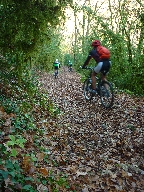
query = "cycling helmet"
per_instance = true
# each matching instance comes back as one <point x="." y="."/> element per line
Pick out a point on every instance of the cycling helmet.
<point x="96" y="43"/>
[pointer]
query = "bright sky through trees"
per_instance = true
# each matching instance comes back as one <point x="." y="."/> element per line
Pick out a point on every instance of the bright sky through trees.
<point x="103" y="8"/>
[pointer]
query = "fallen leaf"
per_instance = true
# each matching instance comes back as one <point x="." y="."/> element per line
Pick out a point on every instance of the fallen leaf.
<point x="40" y="156"/>
<point x="81" y="173"/>
<point x="43" y="171"/>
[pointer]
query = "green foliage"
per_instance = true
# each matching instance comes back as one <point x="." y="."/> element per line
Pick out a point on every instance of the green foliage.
<point x="22" y="23"/>
<point x="13" y="170"/>
<point x="49" y="52"/>
<point x="60" y="182"/>
<point x="9" y="105"/>
<point x="24" y="122"/>
<point x="13" y="141"/>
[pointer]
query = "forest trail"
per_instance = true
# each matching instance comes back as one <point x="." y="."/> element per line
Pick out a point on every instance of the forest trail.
<point x="99" y="149"/>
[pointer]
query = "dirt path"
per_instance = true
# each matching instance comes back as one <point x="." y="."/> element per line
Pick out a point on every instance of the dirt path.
<point x="99" y="149"/>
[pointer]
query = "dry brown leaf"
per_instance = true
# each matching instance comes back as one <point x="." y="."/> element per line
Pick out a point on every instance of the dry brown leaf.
<point x="27" y="165"/>
<point x="2" y="109"/>
<point x="43" y="171"/>
<point x="85" y="189"/>
<point x="42" y="188"/>
<point x="80" y="173"/>
<point x="8" y="122"/>
<point x="40" y="156"/>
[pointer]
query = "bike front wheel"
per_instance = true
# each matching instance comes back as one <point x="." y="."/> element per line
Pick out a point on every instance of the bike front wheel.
<point x="106" y="94"/>
<point x="86" y="89"/>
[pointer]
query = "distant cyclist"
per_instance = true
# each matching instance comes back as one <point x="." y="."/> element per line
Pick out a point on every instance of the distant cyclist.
<point x="102" y="57"/>
<point x="56" y="65"/>
<point x="70" y="65"/>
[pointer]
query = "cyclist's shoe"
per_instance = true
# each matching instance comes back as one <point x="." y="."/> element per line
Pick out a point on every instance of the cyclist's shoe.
<point x="97" y="89"/>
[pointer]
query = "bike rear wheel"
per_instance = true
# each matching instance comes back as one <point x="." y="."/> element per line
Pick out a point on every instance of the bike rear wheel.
<point x="86" y="89"/>
<point x="56" y="75"/>
<point x="106" y="94"/>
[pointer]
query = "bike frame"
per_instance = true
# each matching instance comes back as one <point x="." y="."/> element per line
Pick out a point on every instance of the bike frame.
<point x="104" y="89"/>
<point x="99" y="79"/>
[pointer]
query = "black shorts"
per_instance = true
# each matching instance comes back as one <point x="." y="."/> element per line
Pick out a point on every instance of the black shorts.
<point x="56" y="67"/>
<point x="105" y="67"/>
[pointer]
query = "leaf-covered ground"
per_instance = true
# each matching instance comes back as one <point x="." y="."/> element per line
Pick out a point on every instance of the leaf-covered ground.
<point x="100" y="150"/>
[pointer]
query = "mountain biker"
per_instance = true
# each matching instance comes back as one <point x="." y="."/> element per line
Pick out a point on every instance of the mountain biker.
<point x="103" y="64"/>
<point x="70" y="65"/>
<point x="56" y="65"/>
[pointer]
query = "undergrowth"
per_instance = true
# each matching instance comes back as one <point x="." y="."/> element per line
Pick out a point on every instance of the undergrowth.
<point x="21" y="108"/>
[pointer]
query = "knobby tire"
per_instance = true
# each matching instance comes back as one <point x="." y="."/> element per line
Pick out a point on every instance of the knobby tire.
<point x="106" y="94"/>
<point x="86" y="88"/>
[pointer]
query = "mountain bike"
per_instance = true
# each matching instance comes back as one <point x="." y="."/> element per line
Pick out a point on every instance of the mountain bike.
<point x="56" y="74"/>
<point x="104" y="89"/>
<point x="70" y="68"/>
